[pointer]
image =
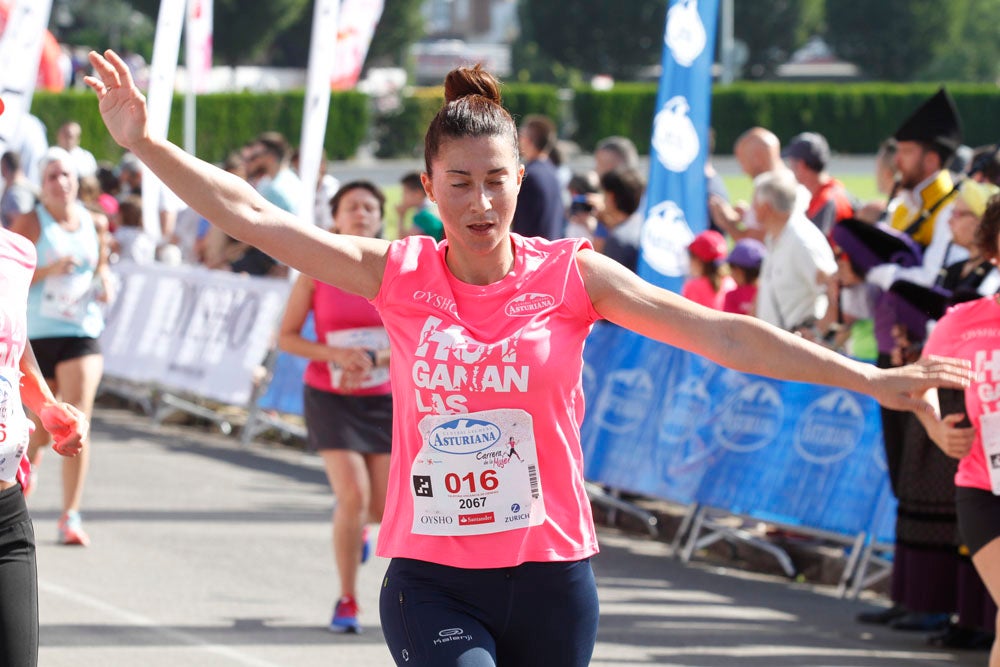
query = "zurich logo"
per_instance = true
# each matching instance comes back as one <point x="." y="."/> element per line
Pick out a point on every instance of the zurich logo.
<point x="685" y="35"/>
<point x="464" y="436"/>
<point x="665" y="238"/>
<point x="674" y="135"/>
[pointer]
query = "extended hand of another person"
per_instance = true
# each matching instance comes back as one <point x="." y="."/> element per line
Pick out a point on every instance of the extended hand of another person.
<point x="123" y="106"/>
<point x="68" y="426"/>
<point x="903" y="388"/>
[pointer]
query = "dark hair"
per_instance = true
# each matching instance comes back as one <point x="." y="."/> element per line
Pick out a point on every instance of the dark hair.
<point x="986" y="161"/>
<point x="108" y="180"/>
<point x="541" y="132"/>
<point x="358" y="185"/>
<point x="988" y="231"/>
<point x="411" y="181"/>
<point x="130" y="211"/>
<point x="275" y="144"/>
<point x="626" y="185"/>
<point x="583" y="183"/>
<point x="471" y="109"/>
<point x="11" y="161"/>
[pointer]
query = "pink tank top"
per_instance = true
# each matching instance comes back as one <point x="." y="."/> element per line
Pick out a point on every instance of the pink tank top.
<point x="17" y="264"/>
<point x="343" y="319"/>
<point x="972" y="331"/>
<point x="488" y="403"/>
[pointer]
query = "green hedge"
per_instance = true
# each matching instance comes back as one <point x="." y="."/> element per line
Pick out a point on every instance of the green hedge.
<point x="225" y="121"/>
<point x="854" y="118"/>
<point x="400" y="132"/>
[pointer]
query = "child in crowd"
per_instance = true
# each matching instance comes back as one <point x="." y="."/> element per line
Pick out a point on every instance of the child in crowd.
<point x="131" y="241"/>
<point x="425" y="220"/>
<point x="744" y="266"/>
<point x="708" y="283"/>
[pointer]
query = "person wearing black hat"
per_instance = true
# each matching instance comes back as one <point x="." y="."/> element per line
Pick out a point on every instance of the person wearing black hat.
<point x="925" y="143"/>
<point x="807" y="155"/>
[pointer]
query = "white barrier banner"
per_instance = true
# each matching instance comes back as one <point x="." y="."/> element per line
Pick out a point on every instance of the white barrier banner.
<point x="162" y="72"/>
<point x="317" y="105"/>
<point x="190" y="329"/>
<point x="20" y="51"/>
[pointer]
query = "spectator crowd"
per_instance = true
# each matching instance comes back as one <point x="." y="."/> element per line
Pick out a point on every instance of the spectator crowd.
<point x="868" y="279"/>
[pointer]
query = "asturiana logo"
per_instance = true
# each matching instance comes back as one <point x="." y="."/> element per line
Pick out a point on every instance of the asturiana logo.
<point x="528" y="304"/>
<point x="464" y="436"/>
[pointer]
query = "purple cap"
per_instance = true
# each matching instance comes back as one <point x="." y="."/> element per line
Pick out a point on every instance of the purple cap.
<point x="747" y="254"/>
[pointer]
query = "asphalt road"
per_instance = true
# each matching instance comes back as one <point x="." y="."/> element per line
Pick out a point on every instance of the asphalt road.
<point x="208" y="554"/>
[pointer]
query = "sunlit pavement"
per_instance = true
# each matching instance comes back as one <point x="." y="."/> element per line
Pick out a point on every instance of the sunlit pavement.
<point x="208" y="554"/>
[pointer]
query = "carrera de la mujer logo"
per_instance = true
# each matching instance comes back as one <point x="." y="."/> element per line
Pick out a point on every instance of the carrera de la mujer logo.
<point x="464" y="436"/>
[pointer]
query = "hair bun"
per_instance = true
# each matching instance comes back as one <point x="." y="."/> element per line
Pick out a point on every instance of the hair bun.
<point x="466" y="81"/>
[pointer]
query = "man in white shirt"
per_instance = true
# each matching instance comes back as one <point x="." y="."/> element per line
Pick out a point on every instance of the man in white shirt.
<point x="758" y="151"/>
<point x="68" y="138"/>
<point x="792" y="289"/>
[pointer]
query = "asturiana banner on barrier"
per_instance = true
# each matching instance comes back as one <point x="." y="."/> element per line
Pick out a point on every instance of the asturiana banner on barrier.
<point x="676" y="206"/>
<point x="673" y="425"/>
<point x="191" y="330"/>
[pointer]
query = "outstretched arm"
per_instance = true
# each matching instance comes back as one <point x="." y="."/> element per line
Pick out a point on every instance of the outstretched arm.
<point x="67" y="425"/>
<point x="352" y="263"/>
<point x="751" y="345"/>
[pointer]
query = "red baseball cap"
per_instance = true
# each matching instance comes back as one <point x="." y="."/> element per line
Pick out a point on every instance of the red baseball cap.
<point x="709" y="246"/>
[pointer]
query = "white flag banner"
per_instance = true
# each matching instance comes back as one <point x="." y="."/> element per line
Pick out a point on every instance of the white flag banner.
<point x="162" y="72"/>
<point x="198" y="43"/>
<point x="317" y="103"/>
<point x="20" y="51"/>
<point x="358" y="19"/>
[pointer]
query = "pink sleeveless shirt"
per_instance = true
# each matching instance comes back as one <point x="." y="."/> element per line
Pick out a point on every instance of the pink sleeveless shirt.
<point x="488" y="403"/>
<point x="343" y="319"/>
<point x="17" y="264"/>
<point x="972" y="331"/>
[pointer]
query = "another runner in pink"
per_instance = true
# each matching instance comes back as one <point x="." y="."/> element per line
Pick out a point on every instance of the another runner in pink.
<point x="336" y="310"/>
<point x="460" y="348"/>
<point x="17" y="264"/>
<point x="972" y="331"/>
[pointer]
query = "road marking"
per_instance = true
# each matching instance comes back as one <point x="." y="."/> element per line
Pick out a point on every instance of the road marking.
<point x="176" y="636"/>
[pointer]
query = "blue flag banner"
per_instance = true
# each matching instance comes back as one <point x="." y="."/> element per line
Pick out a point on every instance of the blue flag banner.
<point x="673" y="425"/>
<point x="676" y="206"/>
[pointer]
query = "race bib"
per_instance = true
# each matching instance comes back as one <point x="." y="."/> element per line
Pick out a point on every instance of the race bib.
<point x="13" y="424"/>
<point x="369" y="338"/>
<point x="476" y="473"/>
<point x="66" y="297"/>
<point x="989" y="430"/>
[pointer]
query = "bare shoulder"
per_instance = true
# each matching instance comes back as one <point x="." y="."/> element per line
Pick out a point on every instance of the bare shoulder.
<point x="27" y="225"/>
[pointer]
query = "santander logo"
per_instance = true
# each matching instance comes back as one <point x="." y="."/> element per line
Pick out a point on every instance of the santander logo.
<point x="528" y="304"/>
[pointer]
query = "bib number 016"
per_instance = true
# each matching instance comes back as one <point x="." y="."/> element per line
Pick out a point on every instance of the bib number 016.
<point x="487" y="481"/>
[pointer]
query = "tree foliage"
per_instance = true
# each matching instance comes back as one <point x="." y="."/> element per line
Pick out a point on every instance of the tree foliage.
<point x="594" y="36"/>
<point x="103" y="24"/>
<point x="244" y="31"/>
<point x="971" y="51"/>
<point x="891" y="40"/>
<point x="772" y="30"/>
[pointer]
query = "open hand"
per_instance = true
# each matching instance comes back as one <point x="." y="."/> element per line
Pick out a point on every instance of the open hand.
<point x="903" y="388"/>
<point x="123" y="106"/>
